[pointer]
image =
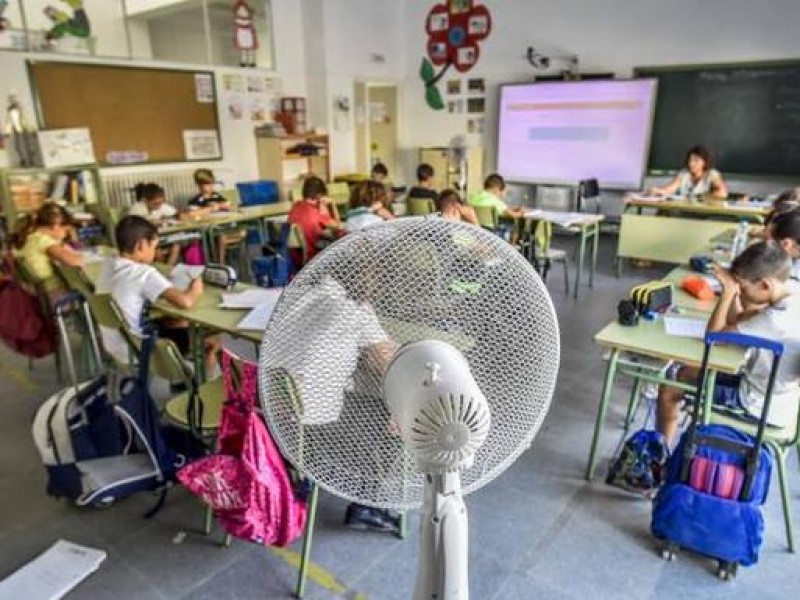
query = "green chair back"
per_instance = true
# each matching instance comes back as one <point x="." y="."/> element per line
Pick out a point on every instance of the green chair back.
<point x="297" y="241"/>
<point x="75" y="279"/>
<point x="420" y="206"/>
<point x="487" y="217"/>
<point x="340" y="194"/>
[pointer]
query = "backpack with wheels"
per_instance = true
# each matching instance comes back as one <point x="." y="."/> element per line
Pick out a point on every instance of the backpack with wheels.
<point x="101" y="440"/>
<point x="718" y="480"/>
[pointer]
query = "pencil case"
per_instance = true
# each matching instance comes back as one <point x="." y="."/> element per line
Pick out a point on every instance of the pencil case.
<point x="653" y="296"/>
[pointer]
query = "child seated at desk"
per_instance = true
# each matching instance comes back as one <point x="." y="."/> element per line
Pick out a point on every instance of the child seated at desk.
<point x="759" y="299"/>
<point x="494" y="190"/>
<point x="425" y="185"/>
<point x="134" y="284"/>
<point x="41" y="240"/>
<point x="698" y="178"/>
<point x="787" y="201"/>
<point x="207" y="201"/>
<point x="151" y="204"/>
<point x="380" y="174"/>
<point x="367" y="200"/>
<point x="452" y="207"/>
<point x="312" y="215"/>
<point x="785" y="230"/>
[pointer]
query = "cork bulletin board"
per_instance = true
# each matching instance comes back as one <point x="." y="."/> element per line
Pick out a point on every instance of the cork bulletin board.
<point x="134" y="114"/>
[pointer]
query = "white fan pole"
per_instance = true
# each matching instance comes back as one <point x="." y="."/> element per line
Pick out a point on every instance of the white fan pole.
<point x="442" y="568"/>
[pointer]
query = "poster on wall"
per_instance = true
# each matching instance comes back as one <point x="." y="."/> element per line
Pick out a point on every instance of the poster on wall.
<point x="476" y="87"/>
<point x="258" y="109"/>
<point x="455" y="30"/>
<point x="476" y="105"/>
<point x="65" y="147"/>
<point x="204" y="88"/>
<point x="455" y="107"/>
<point x="201" y="144"/>
<point x="235" y="106"/>
<point x="232" y="82"/>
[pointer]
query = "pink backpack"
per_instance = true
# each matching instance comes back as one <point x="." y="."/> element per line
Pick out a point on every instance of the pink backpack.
<point x="193" y="254"/>
<point x="245" y="482"/>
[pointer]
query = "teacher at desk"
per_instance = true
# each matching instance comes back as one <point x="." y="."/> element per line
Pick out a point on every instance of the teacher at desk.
<point x="698" y="178"/>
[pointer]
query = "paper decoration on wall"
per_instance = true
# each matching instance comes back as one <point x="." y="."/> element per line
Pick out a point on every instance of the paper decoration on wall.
<point x="244" y="33"/>
<point x="204" y="88"/>
<point x="201" y="144"/>
<point x="17" y="126"/>
<point x="232" y="82"/>
<point x="65" y="24"/>
<point x="454" y="31"/>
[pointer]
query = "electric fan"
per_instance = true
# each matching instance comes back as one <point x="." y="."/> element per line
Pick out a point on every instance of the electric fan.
<point x="457" y="156"/>
<point x="408" y="364"/>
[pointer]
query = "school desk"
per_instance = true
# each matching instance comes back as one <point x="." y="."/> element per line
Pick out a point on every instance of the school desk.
<point x="752" y="211"/>
<point x="649" y="339"/>
<point x="585" y="224"/>
<point x="241" y="216"/>
<point x="673" y="235"/>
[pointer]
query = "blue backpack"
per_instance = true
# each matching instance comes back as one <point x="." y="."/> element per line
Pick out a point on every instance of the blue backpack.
<point x="102" y="440"/>
<point x="641" y="463"/>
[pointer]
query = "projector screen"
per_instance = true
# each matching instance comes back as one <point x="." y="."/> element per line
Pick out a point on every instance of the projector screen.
<point x="566" y="131"/>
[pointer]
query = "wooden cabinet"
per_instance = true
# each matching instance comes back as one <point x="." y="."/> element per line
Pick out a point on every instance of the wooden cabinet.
<point x="289" y="159"/>
<point x="448" y="173"/>
<point x="24" y="191"/>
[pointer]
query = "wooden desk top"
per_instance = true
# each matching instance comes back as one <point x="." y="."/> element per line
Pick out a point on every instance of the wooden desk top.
<point x="247" y="213"/>
<point x="649" y="338"/>
<point x="708" y="207"/>
<point x="565" y="219"/>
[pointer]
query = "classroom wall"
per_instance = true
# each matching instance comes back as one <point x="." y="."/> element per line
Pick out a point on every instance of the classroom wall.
<point x="613" y="35"/>
<point x="349" y="41"/>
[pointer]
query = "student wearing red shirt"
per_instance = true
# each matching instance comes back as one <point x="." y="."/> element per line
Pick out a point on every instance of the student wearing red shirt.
<point x="312" y="214"/>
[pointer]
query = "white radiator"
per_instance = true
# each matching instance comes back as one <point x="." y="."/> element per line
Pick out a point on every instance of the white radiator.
<point x="179" y="186"/>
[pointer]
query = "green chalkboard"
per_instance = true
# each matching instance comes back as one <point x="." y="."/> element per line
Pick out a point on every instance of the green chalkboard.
<point x="746" y="114"/>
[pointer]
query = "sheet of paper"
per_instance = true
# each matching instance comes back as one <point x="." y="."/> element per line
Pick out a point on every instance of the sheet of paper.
<point x="90" y="255"/>
<point x="53" y="573"/>
<point x="256" y="319"/>
<point x="251" y="298"/>
<point x="682" y="327"/>
<point x="182" y="275"/>
<point x="646" y="198"/>
<point x="565" y="219"/>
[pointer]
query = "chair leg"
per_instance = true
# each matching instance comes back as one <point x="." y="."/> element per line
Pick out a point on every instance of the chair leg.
<point x="780" y="454"/>
<point x="307" y="539"/>
<point x="566" y="277"/>
<point x="208" y="516"/>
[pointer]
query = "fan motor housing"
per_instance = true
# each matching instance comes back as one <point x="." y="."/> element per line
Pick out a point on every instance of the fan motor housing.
<point x="441" y="412"/>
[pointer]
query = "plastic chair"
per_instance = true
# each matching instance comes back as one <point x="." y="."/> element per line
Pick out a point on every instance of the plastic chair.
<point x="420" y="206"/>
<point x="340" y="194"/>
<point x="297" y="242"/>
<point x="254" y="193"/>
<point x="545" y="255"/>
<point x="780" y="441"/>
<point x="487" y="217"/>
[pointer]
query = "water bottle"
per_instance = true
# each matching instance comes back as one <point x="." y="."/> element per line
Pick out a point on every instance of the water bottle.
<point x="740" y="239"/>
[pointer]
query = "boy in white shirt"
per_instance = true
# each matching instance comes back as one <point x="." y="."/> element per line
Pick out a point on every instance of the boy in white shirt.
<point x="134" y="284"/>
<point x="759" y="299"/>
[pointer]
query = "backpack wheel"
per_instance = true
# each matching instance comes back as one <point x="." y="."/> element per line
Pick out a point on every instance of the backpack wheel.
<point x="669" y="552"/>
<point x="727" y="571"/>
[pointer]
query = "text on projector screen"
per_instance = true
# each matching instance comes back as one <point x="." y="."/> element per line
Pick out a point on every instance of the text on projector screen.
<point x="565" y="132"/>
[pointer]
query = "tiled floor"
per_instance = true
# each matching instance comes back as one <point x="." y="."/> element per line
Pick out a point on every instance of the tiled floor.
<point x="539" y="531"/>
